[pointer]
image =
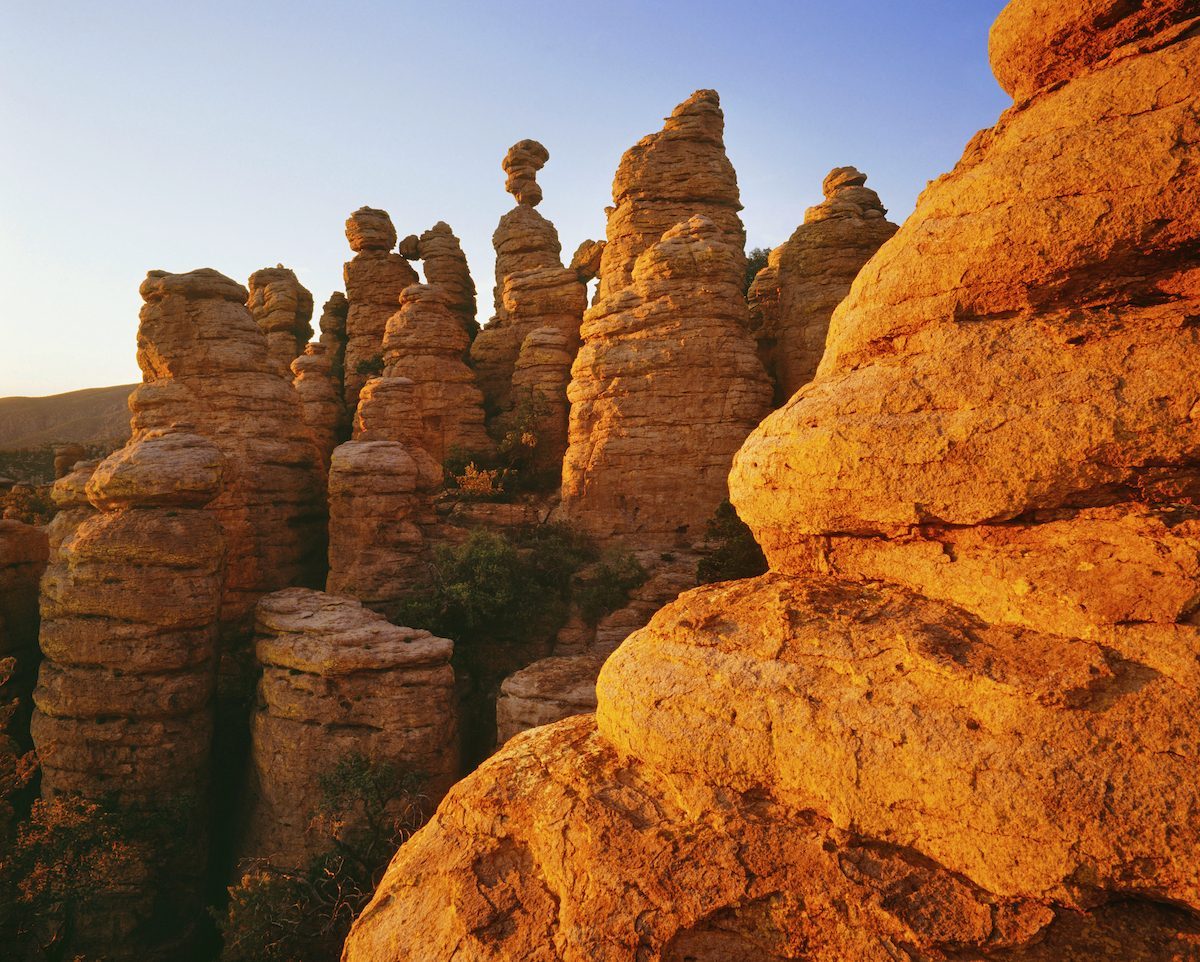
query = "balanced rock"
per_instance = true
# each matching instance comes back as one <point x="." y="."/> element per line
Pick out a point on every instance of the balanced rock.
<point x="283" y="309"/>
<point x="547" y="691"/>
<point x="320" y="397"/>
<point x="374" y="279"/>
<point x="445" y="267"/>
<point x="934" y="731"/>
<point x="206" y="370"/>
<point x="664" y="390"/>
<point x="339" y="680"/>
<point x="793" y="298"/>
<point x="527" y="245"/>
<point x="585" y="262"/>
<point x="130" y="613"/>
<point x="664" y="179"/>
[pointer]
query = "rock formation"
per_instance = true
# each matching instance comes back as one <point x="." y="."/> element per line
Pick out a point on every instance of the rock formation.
<point x="337" y="680"/>
<point x="663" y="391"/>
<point x="547" y="691"/>
<point x="532" y="288"/>
<point x="426" y="343"/>
<point x="958" y="719"/>
<point x="282" y="308"/>
<point x="130" y="610"/>
<point x="333" y="332"/>
<point x="374" y="279"/>
<point x="445" y="267"/>
<point x="320" y="397"/>
<point x="206" y="371"/>
<point x="540" y="411"/>
<point x="794" y="296"/>
<point x="65" y="458"/>
<point x="664" y="179"/>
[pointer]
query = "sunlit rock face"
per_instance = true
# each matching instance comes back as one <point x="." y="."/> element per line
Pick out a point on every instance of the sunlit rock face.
<point x="445" y="267"/>
<point x="123" y="714"/>
<point x="793" y="298"/>
<point x="320" y="397"/>
<point x="958" y="718"/>
<point x="207" y="370"/>
<point x="337" y="680"/>
<point x="374" y="278"/>
<point x="283" y="309"/>
<point x="665" y="388"/>
<point x="667" y="177"/>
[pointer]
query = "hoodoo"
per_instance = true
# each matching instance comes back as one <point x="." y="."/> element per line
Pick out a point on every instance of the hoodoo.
<point x="980" y="519"/>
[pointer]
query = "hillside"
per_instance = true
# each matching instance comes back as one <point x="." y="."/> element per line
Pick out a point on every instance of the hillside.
<point x="87" y="416"/>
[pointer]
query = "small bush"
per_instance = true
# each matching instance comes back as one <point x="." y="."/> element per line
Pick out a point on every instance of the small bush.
<point x="366" y="811"/>
<point x="28" y="503"/>
<point x="370" y="366"/>
<point x="609" y="584"/>
<point x="756" y="260"/>
<point x="731" y="552"/>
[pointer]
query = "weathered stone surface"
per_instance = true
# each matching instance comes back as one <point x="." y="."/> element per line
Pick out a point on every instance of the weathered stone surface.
<point x="445" y="267"/>
<point x="426" y="343"/>
<point x="585" y="262"/>
<point x="540" y="410"/>
<point x="206" y="371"/>
<point x="374" y="279"/>
<point x="977" y="657"/>
<point x="282" y="308"/>
<point x="65" y="458"/>
<point x="24" y="551"/>
<point x="339" y="679"/>
<point x="547" y="691"/>
<point x="130" y="607"/>
<point x="696" y="874"/>
<point x="320" y="395"/>
<point x="521" y="164"/>
<point x="663" y="391"/>
<point x="380" y="505"/>
<point x="333" y="333"/>
<point x="793" y="298"/>
<point x="667" y="177"/>
<point x="891" y="715"/>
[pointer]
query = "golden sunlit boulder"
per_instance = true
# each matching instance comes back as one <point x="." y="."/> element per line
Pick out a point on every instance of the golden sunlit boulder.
<point x="283" y="309"/>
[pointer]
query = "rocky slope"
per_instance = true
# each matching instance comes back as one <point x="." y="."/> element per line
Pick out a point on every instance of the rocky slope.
<point x="94" y="415"/>
<point x="958" y="718"/>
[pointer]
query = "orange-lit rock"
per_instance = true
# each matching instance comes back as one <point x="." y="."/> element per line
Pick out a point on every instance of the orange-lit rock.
<point x="333" y="333"/>
<point x="206" y="369"/>
<point x="374" y="279"/>
<point x="445" y="267"/>
<point x="320" y="394"/>
<point x="667" y="177"/>
<point x="793" y="298"/>
<point x="547" y="691"/>
<point x="282" y="308"/>
<point x="338" y="679"/>
<point x="664" y="390"/>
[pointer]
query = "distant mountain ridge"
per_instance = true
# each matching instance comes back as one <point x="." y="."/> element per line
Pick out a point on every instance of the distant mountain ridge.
<point x="87" y="417"/>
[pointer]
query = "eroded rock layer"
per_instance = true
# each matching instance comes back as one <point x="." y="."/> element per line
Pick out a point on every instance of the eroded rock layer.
<point x="793" y="298"/>
<point x="130" y="614"/>
<point x="665" y="388"/>
<point x="337" y="680"/>
<point x="445" y="267"/>
<point x="959" y="718"/>
<point x="282" y="308"/>
<point x="374" y="277"/>
<point x="206" y="370"/>
<point x="24" y="552"/>
<point x="547" y="691"/>
<point x="320" y="393"/>
<point x="667" y="177"/>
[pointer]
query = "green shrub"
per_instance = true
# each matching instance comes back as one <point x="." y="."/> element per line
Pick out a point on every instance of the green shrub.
<point x="366" y="811"/>
<point x="608" y="585"/>
<point x="370" y="366"/>
<point x="731" y="552"/>
<point x="756" y="260"/>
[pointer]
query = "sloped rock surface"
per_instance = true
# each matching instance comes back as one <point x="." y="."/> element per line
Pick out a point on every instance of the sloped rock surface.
<point x="664" y="390"/>
<point x="338" y="679"/>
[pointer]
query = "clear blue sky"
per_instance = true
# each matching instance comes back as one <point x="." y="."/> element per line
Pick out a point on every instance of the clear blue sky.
<point x="240" y="135"/>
